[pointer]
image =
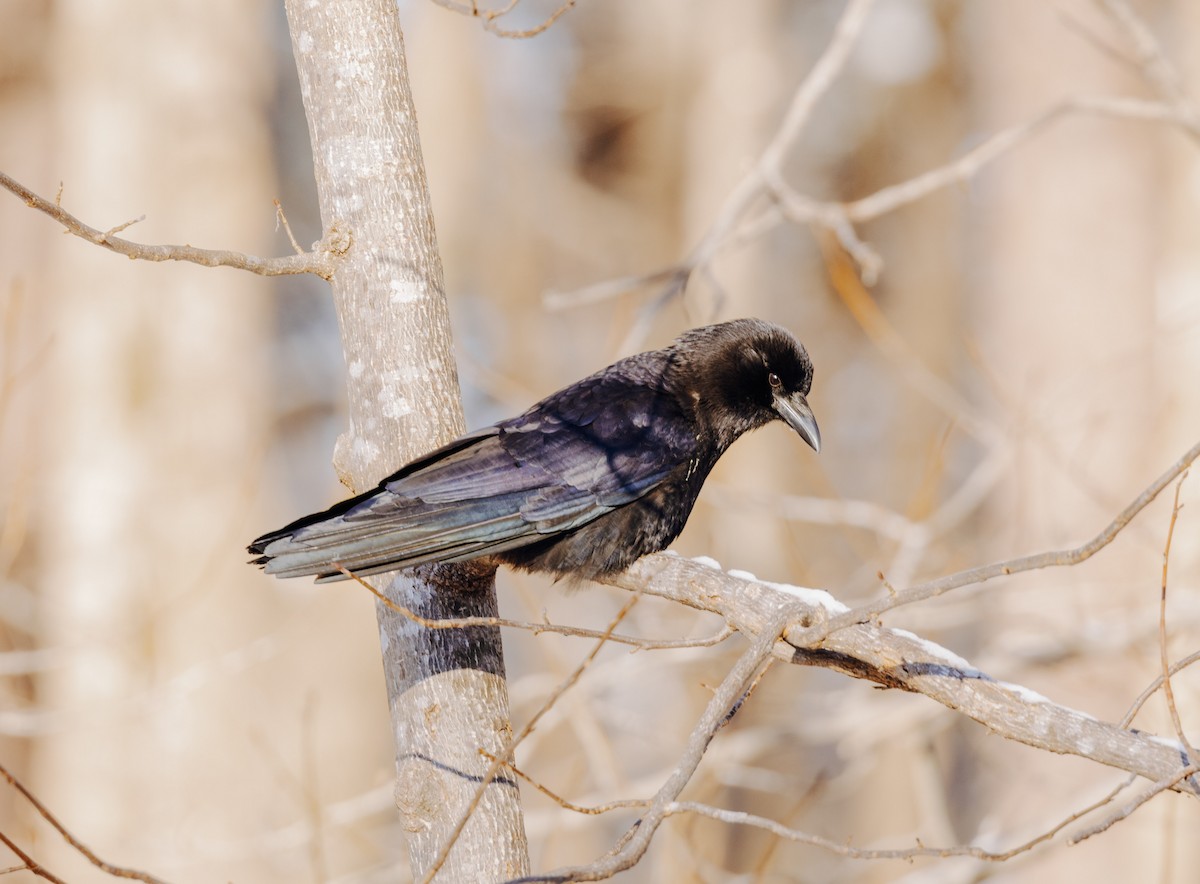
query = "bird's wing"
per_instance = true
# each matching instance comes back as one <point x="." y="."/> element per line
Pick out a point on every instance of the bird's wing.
<point x="569" y="460"/>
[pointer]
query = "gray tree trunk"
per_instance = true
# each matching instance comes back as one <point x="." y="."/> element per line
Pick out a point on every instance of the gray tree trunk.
<point x="446" y="688"/>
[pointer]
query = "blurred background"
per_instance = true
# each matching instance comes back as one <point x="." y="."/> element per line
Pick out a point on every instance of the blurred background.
<point x="1026" y="363"/>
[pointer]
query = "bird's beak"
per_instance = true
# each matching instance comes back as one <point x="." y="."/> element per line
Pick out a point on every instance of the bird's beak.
<point x="794" y="409"/>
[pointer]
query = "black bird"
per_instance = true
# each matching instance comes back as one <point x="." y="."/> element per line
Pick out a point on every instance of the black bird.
<point x="582" y="484"/>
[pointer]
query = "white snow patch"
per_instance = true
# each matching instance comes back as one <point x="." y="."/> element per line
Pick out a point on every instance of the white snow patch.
<point x="304" y="42"/>
<point x="817" y="598"/>
<point x="1029" y="696"/>
<point x="933" y="649"/>
<point x="356" y="368"/>
<point x="1173" y="745"/>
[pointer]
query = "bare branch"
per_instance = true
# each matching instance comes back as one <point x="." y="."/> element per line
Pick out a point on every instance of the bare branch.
<point x="1052" y="559"/>
<point x="849" y="641"/>
<point x="491" y="17"/>
<point x="44" y="812"/>
<point x="524" y="33"/>
<point x="287" y="227"/>
<point x="738" y="818"/>
<point x="30" y="864"/>
<point x="1155" y="685"/>
<point x="897" y="659"/>
<point x="563" y="802"/>
<point x="839" y="218"/>
<point x="890" y="198"/>
<point x="320" y="261"/>
<point x="1079" y="27"/>
<point x="758" y="183"/>
<point x="1166" y="783"/>
<point x="815" y="85"/>
<point x="611" y="288"/>
<point x="635" y="841"/>
<point x="1162" y="629"/>
<point x="638" y="644"/>
<point x="1160" y="73"/>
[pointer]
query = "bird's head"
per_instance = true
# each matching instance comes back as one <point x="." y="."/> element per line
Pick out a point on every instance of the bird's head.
<point x="748" y="372"/>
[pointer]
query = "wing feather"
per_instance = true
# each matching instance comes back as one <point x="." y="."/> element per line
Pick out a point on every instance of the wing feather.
<point x="578" y="455"/>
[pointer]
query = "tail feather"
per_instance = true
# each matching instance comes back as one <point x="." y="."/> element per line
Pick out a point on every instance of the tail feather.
<point x="412" y="536"/>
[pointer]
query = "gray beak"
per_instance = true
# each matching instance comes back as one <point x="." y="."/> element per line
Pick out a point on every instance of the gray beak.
<point x="794" y="409"/>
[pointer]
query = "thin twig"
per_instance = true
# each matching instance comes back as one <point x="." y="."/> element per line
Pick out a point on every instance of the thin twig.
<point x="839" y="218"/>
<point x="31" y="864"/>
<point x="1155" y="685"/>
<point x="563" y="802"/>
<point x="1080" y="28"/>
<point x="850" y="642"/>
<point x="1168" y="693"/>
<point x="1159" y="787"/>
<point x="897" y="659"/>
<point x="637" y="644"/>
<point x="44" y="812"/>
<point x="812" y="636"/>
<point x="888" y="199"/>
<point x="1160" y="73"/>
<point x="524" y="33"/>
<point x="817" y="83"/>
<point x="287" y="228"/>
<point x="748" y="819"/>
<point x="756" y="185"/>
<point x="106" y="235"/>
<point x="630" y="848"/>
<point x="610" y="288"/>
<point x="766" y="178"/>
<point x="491" y="17"/>
<point x="319" y="262"/>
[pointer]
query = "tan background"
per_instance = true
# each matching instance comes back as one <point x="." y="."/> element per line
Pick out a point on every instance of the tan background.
<point x="185" y="715"/>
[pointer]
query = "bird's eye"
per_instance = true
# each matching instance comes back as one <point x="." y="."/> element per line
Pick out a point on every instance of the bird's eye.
<point x="774" y="380"/>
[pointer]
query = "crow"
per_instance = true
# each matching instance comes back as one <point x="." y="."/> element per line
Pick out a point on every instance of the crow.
<point x="582" y="484"/>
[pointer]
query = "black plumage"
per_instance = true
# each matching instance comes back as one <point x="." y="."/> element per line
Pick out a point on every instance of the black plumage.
<point x="583" y="483"/>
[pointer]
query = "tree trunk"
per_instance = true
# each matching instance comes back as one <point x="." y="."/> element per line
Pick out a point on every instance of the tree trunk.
<point x="446" y="688"/>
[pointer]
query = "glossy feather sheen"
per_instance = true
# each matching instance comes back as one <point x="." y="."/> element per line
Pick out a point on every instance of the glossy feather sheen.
<point x="583" y="483"/>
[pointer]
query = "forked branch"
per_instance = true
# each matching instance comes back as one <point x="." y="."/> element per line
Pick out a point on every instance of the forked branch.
<point x="320" y="261"/>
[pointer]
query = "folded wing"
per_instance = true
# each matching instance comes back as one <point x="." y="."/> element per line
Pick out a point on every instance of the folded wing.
<point x="570" y="460"/>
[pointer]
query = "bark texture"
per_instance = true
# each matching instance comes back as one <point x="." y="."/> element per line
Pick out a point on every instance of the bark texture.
<point x="446" y="688"/>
